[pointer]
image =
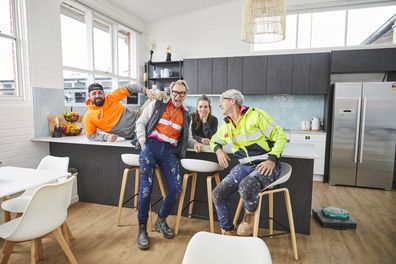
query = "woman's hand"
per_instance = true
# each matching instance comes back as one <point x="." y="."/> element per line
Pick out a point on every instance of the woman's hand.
<point x="149" y="94"/>
<point x="205" y="141"/>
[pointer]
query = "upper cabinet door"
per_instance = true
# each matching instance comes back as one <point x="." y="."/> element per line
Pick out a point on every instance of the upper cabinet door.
<point x="205" y="76"/>
<point x="234" y="73"/>
<point x="301" y="73"/>
<point x="319" y="81"/>
<point x="219" y="75"/>
<point x="254" y="77"/>
<point x="279" y="74"/>
<point x="190" y="73"/>
<point x="362" y="61"/>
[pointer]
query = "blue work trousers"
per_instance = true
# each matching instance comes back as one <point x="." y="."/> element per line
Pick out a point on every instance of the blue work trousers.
<point x="248" y="182"/>
<point x="162" y="154"/>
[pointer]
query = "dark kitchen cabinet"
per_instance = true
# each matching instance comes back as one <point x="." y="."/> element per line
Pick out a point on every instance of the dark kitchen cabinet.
<point x="205" y="76"/>
<point x="219" y="75"/>
<point x="234" y="73"/>
<point x="319" y="80"/>
<point x="363" y="61"/>
<point x="190" y="73"/>
<point x="279" y="74"/>
<point x="254" y="76"/>
<point x="301" y="73"/>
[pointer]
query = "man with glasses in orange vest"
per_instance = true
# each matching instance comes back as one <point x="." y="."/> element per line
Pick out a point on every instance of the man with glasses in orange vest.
<point x="163" y="134"/>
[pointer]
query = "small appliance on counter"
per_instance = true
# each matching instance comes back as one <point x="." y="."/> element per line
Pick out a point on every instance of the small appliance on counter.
<point x="305" y="125"/>
<point x="315" y="124"/>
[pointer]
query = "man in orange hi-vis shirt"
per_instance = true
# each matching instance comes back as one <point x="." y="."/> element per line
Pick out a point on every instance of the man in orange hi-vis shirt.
<point x="105" y="112"/>
<point x="163" y="133"/>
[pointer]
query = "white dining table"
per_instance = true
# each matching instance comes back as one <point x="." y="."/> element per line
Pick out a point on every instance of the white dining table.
<point x="15" y="179"/>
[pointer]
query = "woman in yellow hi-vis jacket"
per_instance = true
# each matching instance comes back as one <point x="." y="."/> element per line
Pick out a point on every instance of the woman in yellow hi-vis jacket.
<point x="251" y="135"/>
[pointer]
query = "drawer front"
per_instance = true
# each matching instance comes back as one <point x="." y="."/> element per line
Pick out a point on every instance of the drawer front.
<point x="301" y="138"/>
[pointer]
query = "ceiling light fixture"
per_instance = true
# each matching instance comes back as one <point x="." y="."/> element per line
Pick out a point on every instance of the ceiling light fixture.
<point x="264" y="21"/>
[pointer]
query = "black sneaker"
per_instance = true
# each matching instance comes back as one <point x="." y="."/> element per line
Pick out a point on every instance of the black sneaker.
<point x="142" y="238"/>
<point x="162" y="227"/>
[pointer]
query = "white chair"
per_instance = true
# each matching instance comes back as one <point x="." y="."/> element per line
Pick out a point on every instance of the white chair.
<point x="44" y="214"/>
<point x="132" y="160"/>
<point x="270" y="190"/>
<point x="212" y="248"/>
<point x="18" y="204"/>
<point x="196" y="166"/>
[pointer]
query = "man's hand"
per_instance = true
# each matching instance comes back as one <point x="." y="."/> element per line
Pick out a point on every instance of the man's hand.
<point x="222" y="158"/>
<point x="266" y="167"/>
<point x="205" y="141"/>
<point x="149" y="94"/>
<point x="198" y="147"/>
<point x="111" y="137"/>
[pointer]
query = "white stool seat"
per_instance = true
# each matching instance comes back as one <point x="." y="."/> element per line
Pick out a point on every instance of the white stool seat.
<point x="283" y="177"/>
<point x="130" y="159"/>
<point x="197" y="165"/>
<point x="211" y="248"/>
<point x="17" y="204"/>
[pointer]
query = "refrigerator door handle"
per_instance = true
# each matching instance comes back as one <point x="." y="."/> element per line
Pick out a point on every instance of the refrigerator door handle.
<point x="357" y="129"/>
<point x="363" y="125"/>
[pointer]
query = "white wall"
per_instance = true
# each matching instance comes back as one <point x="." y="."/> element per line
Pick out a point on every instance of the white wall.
<point x="209" y="32"/>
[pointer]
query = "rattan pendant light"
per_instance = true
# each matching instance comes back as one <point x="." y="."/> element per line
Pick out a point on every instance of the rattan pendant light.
<point x="263" y="21"/>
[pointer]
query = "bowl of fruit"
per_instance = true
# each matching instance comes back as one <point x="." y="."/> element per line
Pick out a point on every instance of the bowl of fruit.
<point x="71" y="116"/>
<point x="71" y="129"/>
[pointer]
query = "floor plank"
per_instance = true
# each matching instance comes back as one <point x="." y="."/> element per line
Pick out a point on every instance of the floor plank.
<point x="99" y="240"/>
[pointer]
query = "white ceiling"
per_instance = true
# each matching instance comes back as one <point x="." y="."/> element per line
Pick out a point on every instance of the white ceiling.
<point x="152" y="10"/>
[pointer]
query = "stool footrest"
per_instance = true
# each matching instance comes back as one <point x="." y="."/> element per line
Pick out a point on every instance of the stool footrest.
<point x="196" y="201"/>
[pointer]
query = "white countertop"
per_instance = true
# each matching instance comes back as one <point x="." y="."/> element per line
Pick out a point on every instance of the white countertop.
<point x="292" y="150"/>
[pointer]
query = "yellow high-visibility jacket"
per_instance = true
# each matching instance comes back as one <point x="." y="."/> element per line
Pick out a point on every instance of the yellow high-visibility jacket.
<point x="254" y="138"/>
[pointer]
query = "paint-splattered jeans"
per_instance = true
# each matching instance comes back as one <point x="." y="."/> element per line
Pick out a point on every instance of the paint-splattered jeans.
<point x="248" y="182"/>
<point x="156" y="152"/>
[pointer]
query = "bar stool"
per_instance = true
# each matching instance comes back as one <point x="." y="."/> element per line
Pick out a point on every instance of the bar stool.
<point x="270" y="190"/>
<point x="195" y="166"/>
<point x="132" y="160"/>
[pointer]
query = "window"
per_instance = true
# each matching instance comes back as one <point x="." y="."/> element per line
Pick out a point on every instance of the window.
<point x="346" y="27"/>
<point x="10" y="50"/>
<point x="95" y="49"/>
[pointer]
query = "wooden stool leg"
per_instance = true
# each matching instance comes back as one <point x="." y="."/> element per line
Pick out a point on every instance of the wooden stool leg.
<point x="257" y="217"/>
<point x="217" y="178"/>
<point x="150" y="221"/>
<point x="181" y="202"/>
<point x="271" y="213"/>
<point x="8" y="247"/>
<point x="291" y="223"/>
<point x="210" y="202"/>
<point x="160" y="182"/>
<point x="238" y="212"/>
<point x="58" y="235"/>
<point x="37" y="249"/>
<point x="122" y="193"/>
<point x="192" y="193"/>
<point x="65" y="233"/>
<point x="137" y="183"/>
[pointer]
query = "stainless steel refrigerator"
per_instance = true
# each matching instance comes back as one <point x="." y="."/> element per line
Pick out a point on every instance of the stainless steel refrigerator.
<point x="363" y="139"/>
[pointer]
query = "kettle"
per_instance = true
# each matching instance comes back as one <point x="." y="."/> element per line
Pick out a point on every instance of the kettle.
<point x="315" y="123"/>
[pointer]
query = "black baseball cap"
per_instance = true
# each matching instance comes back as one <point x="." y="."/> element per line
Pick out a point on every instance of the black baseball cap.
<point x="95" y="87"/>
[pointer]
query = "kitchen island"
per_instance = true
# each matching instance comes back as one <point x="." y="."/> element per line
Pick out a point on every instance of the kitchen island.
<point x="100" y="174"/>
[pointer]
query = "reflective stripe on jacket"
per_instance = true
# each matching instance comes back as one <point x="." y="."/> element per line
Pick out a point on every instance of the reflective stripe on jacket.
<point x="254" y="138"/>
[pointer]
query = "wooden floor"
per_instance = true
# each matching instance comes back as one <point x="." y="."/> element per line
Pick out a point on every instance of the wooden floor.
<point x="99" y="240"/>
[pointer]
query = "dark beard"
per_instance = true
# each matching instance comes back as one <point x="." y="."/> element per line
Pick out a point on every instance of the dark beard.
<point x="98" y="101"/>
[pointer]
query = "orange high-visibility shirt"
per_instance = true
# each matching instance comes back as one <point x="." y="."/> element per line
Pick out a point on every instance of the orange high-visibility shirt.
<point x="169" y="126"/>
<point x="104" y="117"/>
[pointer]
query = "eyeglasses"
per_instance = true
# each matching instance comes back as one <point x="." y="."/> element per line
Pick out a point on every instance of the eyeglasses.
<point x="176" y="93"/>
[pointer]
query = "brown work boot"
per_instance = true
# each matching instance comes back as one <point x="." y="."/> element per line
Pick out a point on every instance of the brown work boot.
<point x="228" y="233"/>
<point x="245" y="228"/>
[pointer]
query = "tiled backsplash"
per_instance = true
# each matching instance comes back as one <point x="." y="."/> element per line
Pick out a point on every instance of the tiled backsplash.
<point x="46" y="101"/>
<point x="287" y="110"/>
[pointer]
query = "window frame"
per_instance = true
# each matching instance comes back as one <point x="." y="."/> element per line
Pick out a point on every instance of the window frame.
<point x="115" y="26"/>
<point x="22" y="93"/>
